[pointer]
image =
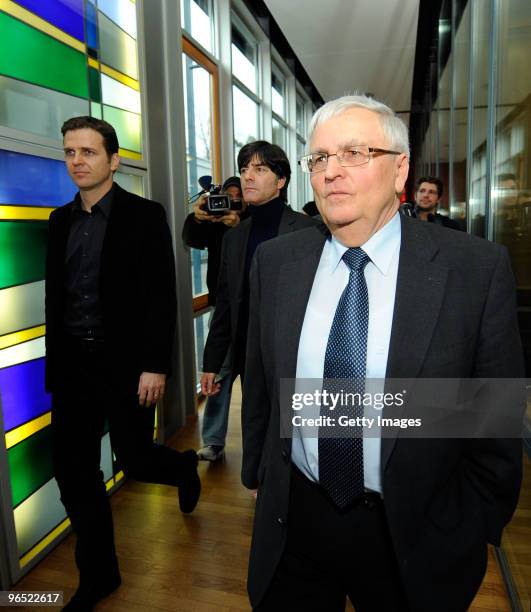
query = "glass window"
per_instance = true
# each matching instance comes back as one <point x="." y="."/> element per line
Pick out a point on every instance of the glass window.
<point x="444" y="101"/>
<point x="198" y="114"/>
<point x="481" y="17"/>
<point x="303" y="180"/>
<point x="511" y="182"/>
<point x="279" y="134"/>
<point x="460" y="117"/>
<point x="118" y="49"/>
<point x="278" y="94"/>
<point x="196" y="19"/>
<point x="200" y="334"/>
<point x="245" y="119"/>
<point x="300" y="117"/>
<point x="244" y="59"/>
<point x="34" y="109"/>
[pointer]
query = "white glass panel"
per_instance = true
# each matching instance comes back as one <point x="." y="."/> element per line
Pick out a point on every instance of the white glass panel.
<point x="38" y="515"/>
<point x="21" y="307"/>
<point x="279" y="134"/>
<point x="35" y="109"/>
<point x="117" y="94"/>
<point x="200" y="333"/>
<point x="244" y="60"/>
<point x="300" y="119"/>
<point x="118" y="49"/>
<point x="130" y="182"/>
<point x="245" y="119"/>
<point x="122" y="12"/>
<point x="278" y="95"/>
<point x="195" y="19"/>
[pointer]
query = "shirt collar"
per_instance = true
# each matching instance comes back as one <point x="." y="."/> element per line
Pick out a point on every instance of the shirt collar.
<point x="104" y="205"/>
<point x="380" y="247"/>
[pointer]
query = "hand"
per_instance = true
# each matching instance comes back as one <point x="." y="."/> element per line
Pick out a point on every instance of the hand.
<point x="253" y="492"/>
<point x="150" y="388"/>
<point x="208" y="386"/>
<point x="199" y="213"/>
<point x="231" y="219"/>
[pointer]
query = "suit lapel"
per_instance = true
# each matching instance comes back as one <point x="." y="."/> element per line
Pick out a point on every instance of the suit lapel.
<point x="286" y="221"/>
<point x="420" y="291"/>
<point x="294" y="286"/>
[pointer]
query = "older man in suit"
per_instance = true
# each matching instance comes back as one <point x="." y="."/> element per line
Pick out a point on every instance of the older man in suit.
<point x="110" y="321"/>
<point x="265" y="173"/>
<point x="393" y="523"/>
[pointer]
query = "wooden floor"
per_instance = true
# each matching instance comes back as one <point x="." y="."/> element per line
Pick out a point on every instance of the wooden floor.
<point x="194" y="563"/>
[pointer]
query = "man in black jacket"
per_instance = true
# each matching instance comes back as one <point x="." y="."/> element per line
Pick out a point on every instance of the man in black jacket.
<point x="110" y="320"/>
<point x="265" y="174"/>
<point x="204" y="231"/>
<point x="428" y="192"/>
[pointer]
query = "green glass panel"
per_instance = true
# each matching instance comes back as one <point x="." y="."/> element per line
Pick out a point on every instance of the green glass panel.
<point x="30" y="464"/>
<point x="22" y="251"/>
<point x="94" y="84"/>
<point x="128" y="127"/>
<point x="95" y="110"/>
<point x="30" y="55"/>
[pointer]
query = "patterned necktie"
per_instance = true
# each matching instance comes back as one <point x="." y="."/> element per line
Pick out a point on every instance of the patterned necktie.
<point x="341" y="459"/>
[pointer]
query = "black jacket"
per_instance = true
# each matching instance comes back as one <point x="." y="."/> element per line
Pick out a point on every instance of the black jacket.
<point x="224" y="326"/>
<point x="137" y="289"/>
<point x="444" y="498"/>
<point x="207" y="235"/>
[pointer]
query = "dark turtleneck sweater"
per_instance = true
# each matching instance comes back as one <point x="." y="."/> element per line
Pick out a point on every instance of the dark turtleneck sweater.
<point x="265" y="221"/>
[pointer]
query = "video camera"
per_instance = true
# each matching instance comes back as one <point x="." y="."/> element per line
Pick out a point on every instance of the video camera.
<point x="217" y="203"/>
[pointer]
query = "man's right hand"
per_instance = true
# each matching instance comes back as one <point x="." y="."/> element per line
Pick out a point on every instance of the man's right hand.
<point x="208" y="386"/>
<point x="199" y="213"/>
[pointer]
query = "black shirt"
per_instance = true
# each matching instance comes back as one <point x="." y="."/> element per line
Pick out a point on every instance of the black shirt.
<point x="83" y="315"/>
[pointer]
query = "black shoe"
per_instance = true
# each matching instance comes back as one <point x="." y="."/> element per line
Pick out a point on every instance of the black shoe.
<point x="190" y="484"/>
<point x="85" y="598"/>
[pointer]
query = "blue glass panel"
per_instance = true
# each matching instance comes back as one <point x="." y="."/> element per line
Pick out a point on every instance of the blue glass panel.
<point x="92" y="28"/>
<point x="34" y="181"/>
<point x="67" y="15"/>
<point x="22" y="393"/>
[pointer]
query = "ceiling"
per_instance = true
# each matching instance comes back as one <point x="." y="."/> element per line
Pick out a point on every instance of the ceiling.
<point x="346" y="46"/>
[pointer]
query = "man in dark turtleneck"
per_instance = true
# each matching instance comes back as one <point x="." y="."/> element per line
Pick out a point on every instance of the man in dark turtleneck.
<point x="265" y="174"/>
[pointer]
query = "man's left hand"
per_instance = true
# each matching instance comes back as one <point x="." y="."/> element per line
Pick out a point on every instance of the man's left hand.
<point x="151" y="388"/>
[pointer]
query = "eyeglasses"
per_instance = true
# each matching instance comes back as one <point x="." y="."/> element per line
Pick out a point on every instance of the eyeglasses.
<point x="351" y="156"/>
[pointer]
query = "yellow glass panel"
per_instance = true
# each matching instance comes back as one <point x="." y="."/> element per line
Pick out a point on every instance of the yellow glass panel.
<point x="22" y="336"/>
<point x="28" y="429"/>
<point x="25" y="213"/>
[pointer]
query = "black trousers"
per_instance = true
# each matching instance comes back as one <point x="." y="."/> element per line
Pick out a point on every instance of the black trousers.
<point x="86" y="399"/>
<point x="331" y="555"/>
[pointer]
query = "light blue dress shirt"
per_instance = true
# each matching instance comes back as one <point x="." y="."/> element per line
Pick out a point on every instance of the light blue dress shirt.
<point x="330" y="281"/>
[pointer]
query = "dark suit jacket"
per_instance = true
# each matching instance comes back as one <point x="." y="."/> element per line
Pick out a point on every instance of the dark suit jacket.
<point x="444" y="498"/>
<point x="223" y="329"/>
<point x="137" y="289"/>
<point x="207" y="235"/>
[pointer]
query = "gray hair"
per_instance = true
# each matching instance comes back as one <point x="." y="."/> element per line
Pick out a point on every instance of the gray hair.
<point x="393" y="127"/>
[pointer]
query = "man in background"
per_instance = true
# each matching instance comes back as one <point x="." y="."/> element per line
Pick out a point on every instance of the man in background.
<point x="428" y="192"/>
<point x="265" y="174"/>
<point x="202" y="230"/>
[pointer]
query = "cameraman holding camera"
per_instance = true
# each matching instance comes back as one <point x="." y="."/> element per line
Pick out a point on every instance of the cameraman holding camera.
<point x="205" y="230"/>
<point x="202" y="230"/>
